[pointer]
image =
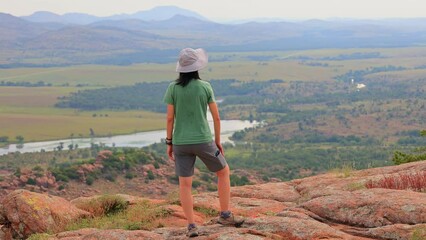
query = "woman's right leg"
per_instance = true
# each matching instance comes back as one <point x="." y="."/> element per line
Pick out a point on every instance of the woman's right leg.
<point x="186" y="199"/>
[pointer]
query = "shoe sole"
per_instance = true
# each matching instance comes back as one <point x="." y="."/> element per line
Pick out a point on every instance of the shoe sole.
<point x="238" y="224"/>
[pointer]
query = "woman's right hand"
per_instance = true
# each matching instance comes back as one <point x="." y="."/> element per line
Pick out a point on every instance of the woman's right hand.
<point x="170" y="152"/>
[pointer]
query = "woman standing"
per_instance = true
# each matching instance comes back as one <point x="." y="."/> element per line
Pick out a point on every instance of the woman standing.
<point x="189" y="135"/>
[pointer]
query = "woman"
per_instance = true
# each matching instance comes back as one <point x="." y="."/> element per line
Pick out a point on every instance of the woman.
<point x="189" y="135"/>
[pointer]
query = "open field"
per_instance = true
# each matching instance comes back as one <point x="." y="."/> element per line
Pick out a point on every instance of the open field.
<point x="306" y="65"/>
<point x="57" y="125"/>
<point x="94" y="75"/>
<point x="29" y="112"/>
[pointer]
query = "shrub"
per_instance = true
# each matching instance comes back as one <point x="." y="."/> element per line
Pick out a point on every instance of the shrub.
<point x="239" y="181"/>
<point x="104" y="205"/>
<point x="4" y="139"/>
<point x="150" y="175"/>
<point x="413" y="181"/>
<point x="90" y="180"/>
<point x="174" y="179"/>
<point x="130" y="175"/>
<point x="156" y="165"/>
<point x="61" y="177"/>
<point x="196" y="184"/>
<point x="31" y="181"/>
<point x="400" y="157"/>
<point x="17" y="172"/>
<point x="110" y="177"/>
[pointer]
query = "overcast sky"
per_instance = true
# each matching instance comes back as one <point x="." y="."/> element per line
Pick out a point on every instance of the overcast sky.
<point x="223" y="10"/>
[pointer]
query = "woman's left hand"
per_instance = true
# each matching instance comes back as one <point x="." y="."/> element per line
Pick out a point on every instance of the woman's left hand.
<point x="219" y="146"/>
<point x="170" y="152"/>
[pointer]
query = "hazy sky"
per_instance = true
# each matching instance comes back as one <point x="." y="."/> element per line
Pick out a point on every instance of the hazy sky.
<point x="220" y="10"/>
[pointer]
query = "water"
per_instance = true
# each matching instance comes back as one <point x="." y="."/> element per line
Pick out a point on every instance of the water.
<point x="142" y="139"/>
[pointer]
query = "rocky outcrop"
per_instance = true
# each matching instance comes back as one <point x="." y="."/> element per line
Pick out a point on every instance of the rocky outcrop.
<point x="36" y="180"/>
<point x="24" y="213"/>
<point x="371" y="207"/>
<point x="328" y="206"/>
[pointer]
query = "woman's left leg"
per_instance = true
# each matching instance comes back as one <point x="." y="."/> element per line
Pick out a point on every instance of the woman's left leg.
<point x="224" y="188"/>
<point x="186" y="199"/>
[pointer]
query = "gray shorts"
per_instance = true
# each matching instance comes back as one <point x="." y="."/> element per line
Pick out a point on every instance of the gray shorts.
<point x="185" y="156"/>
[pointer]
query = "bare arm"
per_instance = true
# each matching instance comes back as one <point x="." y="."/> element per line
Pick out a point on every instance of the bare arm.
<point x="169" y="128"/>
<point x="216" y="123"/>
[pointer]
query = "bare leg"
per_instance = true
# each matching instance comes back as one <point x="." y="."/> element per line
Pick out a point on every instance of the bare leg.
<point x="186" y="200"/>
<point x="224" y="188"/>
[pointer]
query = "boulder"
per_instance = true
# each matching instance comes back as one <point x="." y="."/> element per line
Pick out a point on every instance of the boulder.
<point x="25" y="213"/>
<point x="393" y="232"/>
<point x="371" y="207"/>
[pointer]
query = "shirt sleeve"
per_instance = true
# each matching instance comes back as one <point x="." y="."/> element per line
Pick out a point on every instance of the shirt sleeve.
<point x="210" y="94"/>
<point x="168" y="97"/>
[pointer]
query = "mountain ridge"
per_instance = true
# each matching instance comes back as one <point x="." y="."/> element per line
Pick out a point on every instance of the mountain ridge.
<point x="180" y="31"/>
<point x="154" y="14"/>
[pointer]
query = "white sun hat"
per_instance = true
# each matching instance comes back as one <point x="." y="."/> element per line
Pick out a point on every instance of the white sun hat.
<point x="191" y="60"/>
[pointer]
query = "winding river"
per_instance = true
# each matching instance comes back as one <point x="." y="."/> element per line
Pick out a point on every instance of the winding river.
<point x="228" y="127"/>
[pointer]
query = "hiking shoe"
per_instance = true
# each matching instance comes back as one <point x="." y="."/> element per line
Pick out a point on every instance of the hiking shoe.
<point x="192" y="231"/>
<point x="231" y="220"/>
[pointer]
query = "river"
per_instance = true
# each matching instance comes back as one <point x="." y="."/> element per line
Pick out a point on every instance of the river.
<point x="141" y="139"/>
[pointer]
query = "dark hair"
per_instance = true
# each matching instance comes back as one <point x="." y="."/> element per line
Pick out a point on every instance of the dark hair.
<point x="185" y="78"/>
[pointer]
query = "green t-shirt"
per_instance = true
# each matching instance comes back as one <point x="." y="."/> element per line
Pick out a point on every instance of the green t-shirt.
<point x="190" y="104"/>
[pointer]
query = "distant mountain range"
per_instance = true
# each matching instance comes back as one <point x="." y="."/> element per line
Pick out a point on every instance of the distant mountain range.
<point x="155" y="14"/>
<point x="48" y="39"/>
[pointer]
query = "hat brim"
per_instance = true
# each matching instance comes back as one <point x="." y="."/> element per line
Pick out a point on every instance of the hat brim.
<point x="196" y="66"/>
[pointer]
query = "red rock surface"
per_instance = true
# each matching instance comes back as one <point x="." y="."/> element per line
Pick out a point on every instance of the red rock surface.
<point x="25" y="213"/>
<point x="280" y="191"/>
<point x="327" y="206"/>
<point x="112" y="234"/>
<point x="371" y="207"/>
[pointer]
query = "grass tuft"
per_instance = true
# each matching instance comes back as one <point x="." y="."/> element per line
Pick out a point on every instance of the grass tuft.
<point x="141" y="216"/>
<point x="208" y="212"/>
<point x="344" y="171"/>
<point x="40" y="236"/>
<point x="104" y="205"/>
